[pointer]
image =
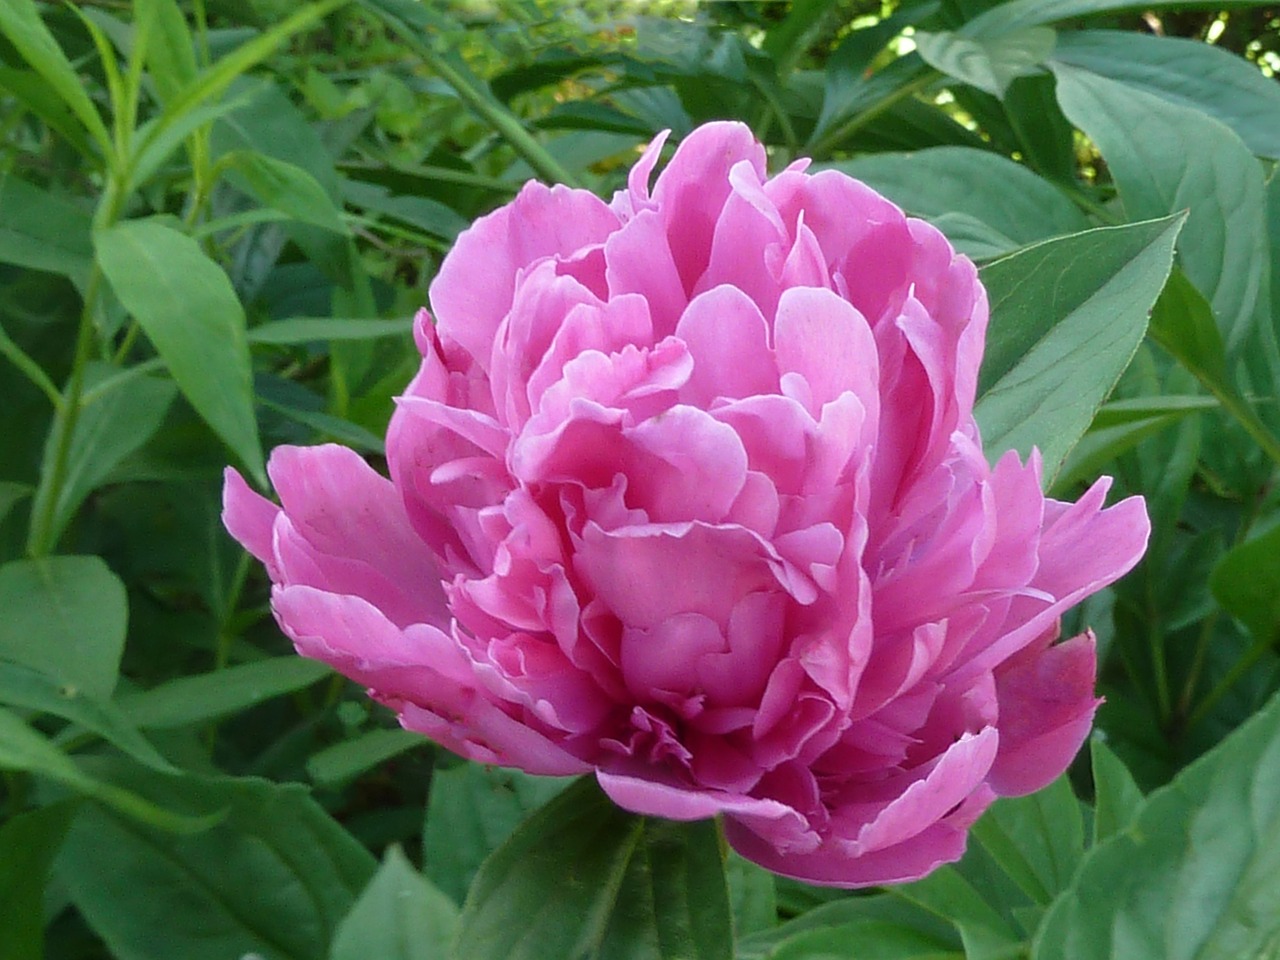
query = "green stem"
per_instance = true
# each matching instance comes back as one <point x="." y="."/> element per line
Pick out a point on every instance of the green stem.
<point x="1234" y="404"/>
<point x="823" y="147"/>
<point x="464" y="178"/>
<point x="1197" y="663"/>
<point x="42" y="537"/>
<point x="33" y="371"/>
<point x="1238" y="670"/>
<point x="113" y="381"/>
<point x="470" y="92"/>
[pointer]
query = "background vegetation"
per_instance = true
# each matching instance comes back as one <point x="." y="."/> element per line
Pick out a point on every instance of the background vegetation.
<point x="215" y="220"/>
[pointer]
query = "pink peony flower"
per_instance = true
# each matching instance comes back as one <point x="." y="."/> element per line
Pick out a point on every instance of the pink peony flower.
<point x="688" y="493"/>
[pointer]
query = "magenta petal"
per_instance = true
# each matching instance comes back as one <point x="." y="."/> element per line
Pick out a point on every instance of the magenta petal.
<point x="1046" y="709"/>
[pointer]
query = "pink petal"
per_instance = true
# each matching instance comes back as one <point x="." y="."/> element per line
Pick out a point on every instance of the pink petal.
<point x="1046" y="709"/>
<point x="473" y="290"/>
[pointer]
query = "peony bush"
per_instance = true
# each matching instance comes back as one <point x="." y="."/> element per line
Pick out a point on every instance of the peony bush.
<point x="688" y="494"/>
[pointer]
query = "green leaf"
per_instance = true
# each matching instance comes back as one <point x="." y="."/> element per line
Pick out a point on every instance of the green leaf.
<point x="116" y="422"/>
<point x="298" y="330"/>
<point x="946" y="181"/>
<point x="417" y="23"/>
<point x="1024" y="13"/>
<point x="66" y="617"/>
<point x="989" y="62"/>
<point x="1194" y="874"/>
<point x="1142" y="409"/>
<point x="849" y="914"/>
<point x="215" y="79"/>
<point x="12" y="494"/>
<point x="1165" y="158"/>
<point x="26" y="750"/>
<point x="20" y="22"/>
<point x="1246" y="582"/>
<point x="335" y="428"/>
<point x="753" y="896"/>
<point x="285" y="187"/>
<point x="28" y="844"/>
<point x="171" y="58"/>
<point x="41" y="231"/>
<point x="1182" y="323"/>
<point x="1037" y="840"/>
<point x="1066" y="318"/>
<point x="864" y="940"/>
<point x="1189" y="72"/>
<point x="188" y="309"/>
<point x="429" y="216"/>
<point x="585" y="879"/>
<point x="471" y="812"/>
<point x="32" y="91"/>
<point x="29" y="689"/>
<point x="400" y="916"/>
<point x="985" y="933"/>
<point x="274" y="877"/>
<point x="1116" y="430"/>
<point x="349" y="759"/>
<point x="196" y="699"/>
<point x="1116" y="795"/>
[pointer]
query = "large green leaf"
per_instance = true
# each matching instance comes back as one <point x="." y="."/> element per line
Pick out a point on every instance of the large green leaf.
<point x="1166" y="157"/>
<point x="189" y="311"/>
<point x="945" y="181"/>
<point x="472" y="811"/>
<point x="207" y="696"/>
<point x="20" y="22"/>
<point x="274" y="877"/>
<point x="41" y="231"/>
<point x="989" y="62"/>
<point x="64" y="616"/>
<point x="1189" y="72"/>
<point x="28" y="844"/>
<point x="1066" y="318"/>
<point x="400" y="916"/>
<point x="1194" y="874"/>
<point x="586" y="880"/>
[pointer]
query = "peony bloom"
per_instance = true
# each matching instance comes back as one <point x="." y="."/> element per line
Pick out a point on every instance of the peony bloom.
<point x="688" y="494"/>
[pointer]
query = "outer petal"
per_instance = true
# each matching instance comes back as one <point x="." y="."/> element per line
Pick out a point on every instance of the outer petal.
<point x="1046" y="709"/>
<point x="341" y="508"/>
<point x="249" y="517"/>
